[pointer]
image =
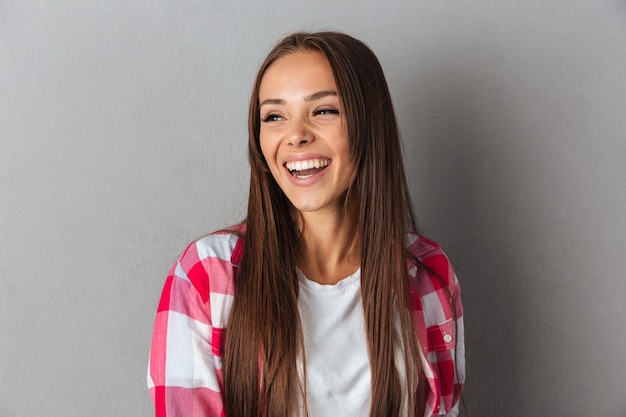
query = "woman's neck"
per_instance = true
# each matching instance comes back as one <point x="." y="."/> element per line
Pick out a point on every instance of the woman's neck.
<point x="331" y="249"/>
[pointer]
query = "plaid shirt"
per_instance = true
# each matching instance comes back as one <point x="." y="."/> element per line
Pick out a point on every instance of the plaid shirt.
<point x="185" y="369"/>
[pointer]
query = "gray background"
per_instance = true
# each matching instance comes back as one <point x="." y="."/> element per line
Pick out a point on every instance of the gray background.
<point x="122" y="138"/>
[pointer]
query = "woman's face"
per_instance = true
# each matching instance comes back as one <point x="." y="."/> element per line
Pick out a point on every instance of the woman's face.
<point x="303" y="132"/>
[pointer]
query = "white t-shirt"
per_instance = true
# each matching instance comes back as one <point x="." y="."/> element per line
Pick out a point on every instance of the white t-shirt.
<point x="337" y="364"/>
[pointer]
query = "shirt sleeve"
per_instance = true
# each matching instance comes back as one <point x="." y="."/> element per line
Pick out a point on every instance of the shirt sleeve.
<point x="440" y="312"/>
<point x="459" y="380"/>
<point x="184" y="373"/>
<point x="457" y="352"/>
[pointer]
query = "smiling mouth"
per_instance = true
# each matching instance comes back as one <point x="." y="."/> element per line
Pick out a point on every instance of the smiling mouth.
<point x="308" y="168"/>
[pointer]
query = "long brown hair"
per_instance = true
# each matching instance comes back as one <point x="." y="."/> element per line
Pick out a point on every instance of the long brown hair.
<point x="264" y="338"/>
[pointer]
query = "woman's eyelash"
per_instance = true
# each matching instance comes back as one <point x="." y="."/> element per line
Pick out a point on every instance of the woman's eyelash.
<point x="327" y="111"/>
<point x="271" y="117"/>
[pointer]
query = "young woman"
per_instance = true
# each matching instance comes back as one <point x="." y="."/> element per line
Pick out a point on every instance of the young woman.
<point x="325" y="300"/>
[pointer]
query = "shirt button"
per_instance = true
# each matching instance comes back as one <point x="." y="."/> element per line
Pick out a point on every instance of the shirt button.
<point x="447" y="338"/>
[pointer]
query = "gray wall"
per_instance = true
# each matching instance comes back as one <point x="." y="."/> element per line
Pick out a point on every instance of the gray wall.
<point x="122" y="138"/>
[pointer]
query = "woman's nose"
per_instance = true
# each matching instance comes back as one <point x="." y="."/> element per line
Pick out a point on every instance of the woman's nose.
<point x="300" y="134"/>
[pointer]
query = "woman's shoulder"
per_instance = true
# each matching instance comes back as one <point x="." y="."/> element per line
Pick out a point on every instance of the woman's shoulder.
<point x="210" y="262"/>
<point x="420" y="246"/>
<point x="427" y="256"/>
<point x="224" y="244"/>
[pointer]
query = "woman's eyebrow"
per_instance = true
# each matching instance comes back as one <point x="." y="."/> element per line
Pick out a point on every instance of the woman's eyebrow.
<point x="320" y="94"/>
<point x="272" y="101"/>
<point x="312" y="97"/>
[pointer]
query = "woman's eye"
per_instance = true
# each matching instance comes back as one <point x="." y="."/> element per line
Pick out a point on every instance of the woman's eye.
<point x="272" y="118"/>
<point x="326" y="111"/>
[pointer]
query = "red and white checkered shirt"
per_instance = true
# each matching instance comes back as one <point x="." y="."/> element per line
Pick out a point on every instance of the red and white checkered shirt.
<point x="185" y="370"/>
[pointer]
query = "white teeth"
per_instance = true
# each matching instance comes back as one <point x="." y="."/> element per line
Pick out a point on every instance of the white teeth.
<point x="308" y="164"/>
